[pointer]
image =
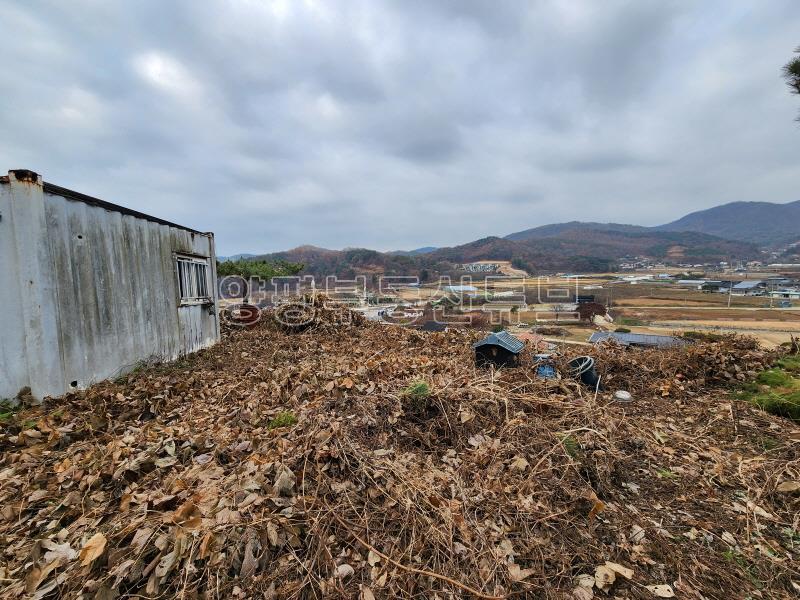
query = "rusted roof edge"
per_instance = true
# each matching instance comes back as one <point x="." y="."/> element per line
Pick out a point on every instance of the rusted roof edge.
<point x="77" y="196"/>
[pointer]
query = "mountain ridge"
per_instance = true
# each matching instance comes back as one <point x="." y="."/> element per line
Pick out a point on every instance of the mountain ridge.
<point x="555" y="229"/>
<point x="579" y="246"/>
<point x="573" y="250"/>
<point x="414" y="252"/>
<point x="768" y="224"/>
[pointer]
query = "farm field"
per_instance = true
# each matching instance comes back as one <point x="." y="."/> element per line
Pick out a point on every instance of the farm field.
<point x="656" y="302"/>
<point x="668" y="308"/>
<point x="643" y="307"/>
<point x="733" y="315"/>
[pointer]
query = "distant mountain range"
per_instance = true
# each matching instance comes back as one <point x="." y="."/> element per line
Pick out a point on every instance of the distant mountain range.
<point x="763" y="223"/>
<point x="425" y="250"/>
<point x="735" y="231"/>
<point x="573" y="250"/>
<point x="560" y="229"/>
<point x="235" y="257"/>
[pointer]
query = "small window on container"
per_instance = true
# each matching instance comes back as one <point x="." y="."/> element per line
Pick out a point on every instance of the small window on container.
<point x="193" y="284"/>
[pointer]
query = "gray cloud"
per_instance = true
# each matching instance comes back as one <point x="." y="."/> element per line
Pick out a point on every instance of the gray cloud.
<point x="401" y="123"/>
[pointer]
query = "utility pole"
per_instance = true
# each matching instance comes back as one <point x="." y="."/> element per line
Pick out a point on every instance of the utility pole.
<point x="730" y="292"/>
<point x="730" y="284"/>
<point x="771" y="293"/>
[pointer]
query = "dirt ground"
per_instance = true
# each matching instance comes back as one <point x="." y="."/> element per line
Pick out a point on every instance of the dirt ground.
<point x="771" y="327"/>
<point x="733" y="316"/>
<point x="655" y="302"/>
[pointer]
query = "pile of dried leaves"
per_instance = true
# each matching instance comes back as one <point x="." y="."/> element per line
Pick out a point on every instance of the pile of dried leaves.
<point x="680" y="372"/>
<point x="286" y="463"/>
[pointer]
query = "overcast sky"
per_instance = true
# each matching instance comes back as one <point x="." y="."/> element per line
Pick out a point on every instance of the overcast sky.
<point x="398" y="124"/>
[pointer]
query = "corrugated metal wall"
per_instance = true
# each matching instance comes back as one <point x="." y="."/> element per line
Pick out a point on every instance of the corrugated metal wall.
<point x="110" y="281"/>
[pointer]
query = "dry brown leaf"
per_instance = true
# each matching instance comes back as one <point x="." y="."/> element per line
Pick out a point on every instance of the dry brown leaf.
<point x="205" y="546"/>
<point x="48" y="588"/>
<point x="93" y="549"/>
<point x="788" y="487"/>
<point x="754" y="508"/>
<point x="637" y="534"/>
<point x="620" y="570"/>
<point x="661" y="590"/>
<point x="518" y="574"/>
<point x="63" y="465"/>
<point x="366" y="593"/>
<point x="250" y="561"/>
<point x="284" y="482"/>
<point x="604" y="578"/>
<point x="56" y="551"/>
<point x="166" y="564"/>
<point x="519" y="464"/>
<point x="597" y="508"/>
<point x="203" y="459"/>
<point x="37" y="495"/>
<point x="272" y="534"/>
<point x="38" y="574"/>
<point x="728" y="538"/>
<point x="187" y="515"/>
<point x="582" y="593"/>
<point x="141" y="537"/>
<point x="344" y="570"/>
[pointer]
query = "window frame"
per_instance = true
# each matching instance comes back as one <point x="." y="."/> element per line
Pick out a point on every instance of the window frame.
<point x="194" y="277"/>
